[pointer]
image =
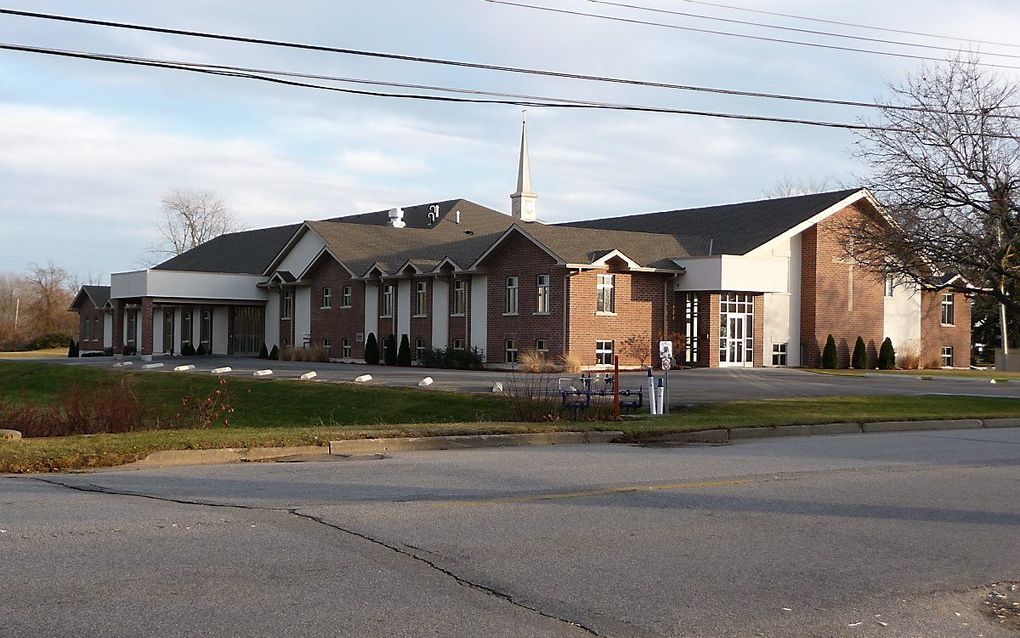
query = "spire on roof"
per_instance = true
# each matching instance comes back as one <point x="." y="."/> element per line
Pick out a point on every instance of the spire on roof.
<point x="522" y="202"/>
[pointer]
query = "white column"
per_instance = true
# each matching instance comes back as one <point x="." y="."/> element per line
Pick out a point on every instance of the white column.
<point x="372" y="310"/>
<point x="302" y="315"/>
<point x="220" y="329"/>
<point x="107" y="330"/>
<point x="479" y="313"/>
<point x="272" y="317"/>
<point x="440" y="313"/>
<point x="403" y="309"/>
<point x="157" y="331"/>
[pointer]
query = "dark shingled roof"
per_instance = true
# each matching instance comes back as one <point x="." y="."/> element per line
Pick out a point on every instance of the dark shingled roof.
<point x="247" y="252"/>
<point x="99" y="295"/>
<point x="734" y="229"/>
<point x="586" y="245"/>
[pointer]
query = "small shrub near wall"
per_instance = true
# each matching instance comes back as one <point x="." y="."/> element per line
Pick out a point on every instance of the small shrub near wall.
<point x="830" y="356"/>
<point x="887" y="355"/>
<point x="452" y="359"/>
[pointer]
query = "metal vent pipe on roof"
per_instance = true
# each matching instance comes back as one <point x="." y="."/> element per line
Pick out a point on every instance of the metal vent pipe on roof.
<point x="396" y="216"/>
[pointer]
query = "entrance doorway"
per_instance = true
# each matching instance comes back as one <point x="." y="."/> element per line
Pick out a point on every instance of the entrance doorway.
<point x="246" y="330"/>
<point x="736" y="330"/>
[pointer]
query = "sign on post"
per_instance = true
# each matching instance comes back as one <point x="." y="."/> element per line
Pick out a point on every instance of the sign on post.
<point x="666" y="354"/>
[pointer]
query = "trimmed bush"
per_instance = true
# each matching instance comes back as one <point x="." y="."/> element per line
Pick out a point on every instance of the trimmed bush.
<point x="859" y="360"/>
<point x="274" y="354"/>
<point x="371" y="350"/>
<point x="887" y="355"/>
<point x="73" y="350"/>
<point x="188" y="350"/>
<point x="200" y="352"/>
<point x="404" y="352"/>
<point x="830" y="356"/>
<point x="390" y="350"/>
<point x="263" y="352"/>
<point x="45" y="342"/>
<point x="452" y="359"/>
<point x="130" y="350"/>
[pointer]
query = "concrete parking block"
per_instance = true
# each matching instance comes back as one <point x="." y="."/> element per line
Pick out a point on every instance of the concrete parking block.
<point x="909" y="426"/>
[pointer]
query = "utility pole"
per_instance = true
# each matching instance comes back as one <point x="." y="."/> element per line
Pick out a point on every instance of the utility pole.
<point x="17" y="311"/>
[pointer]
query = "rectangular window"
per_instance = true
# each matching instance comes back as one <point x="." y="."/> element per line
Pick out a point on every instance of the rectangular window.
<point x="458" y="344"/>
<point x="97" y="331"/>
<point x="542" y="302"/>
<point x="691" y="327"/>
<point x="327" y="298"/>
<point x="604" y="353"/>
<point x="948" y="309"/>
<point x="779" y="354"/>
<point x="205" y="328"/>
<point x="345" y="297"/>
<point x="419" y="349"/>
<point x="542" y="348"/>
<point x="87" y="330"/>
<point x="387" y="300"/>
<point x="132" y="326"/>
<point x="327" y="344"/>
<point x="511" y="351"/>
<point x="186" y="326"/>
<point x="421" y="295"/>
<point x="947" y="356"/>
<point x="287" y="305"/>
<point x="890" y="285"/>
<point x="605" y="288"/>
<point x="512" y="290"/>
<point x="345" y="348"/>
<point x="459" y="297"/>
<point x="360" y="337"/>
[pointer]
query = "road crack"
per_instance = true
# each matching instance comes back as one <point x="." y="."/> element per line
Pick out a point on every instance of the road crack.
<point x="503" y="596"/>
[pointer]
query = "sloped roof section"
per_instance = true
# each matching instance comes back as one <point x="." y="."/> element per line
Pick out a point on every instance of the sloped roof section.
<point x="98" y="295"/>
<point x="732" y="229"/>
<point x="418" y="216"/>
<point x="576" y="245"/>
<point x="246" y="252"/>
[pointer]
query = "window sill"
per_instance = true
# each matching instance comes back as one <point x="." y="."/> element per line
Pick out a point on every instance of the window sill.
<point x="345" y="307"/>
<point x="385" y="316"/>
<point x="457" y="314"/>
<point x="948" y="325"/>
<point x="602" y="313"/>
<point x="541" y="314"/>
<point x="325" y="307"/>
<point x="419" y="316"/>
<point x="510" y="314"/>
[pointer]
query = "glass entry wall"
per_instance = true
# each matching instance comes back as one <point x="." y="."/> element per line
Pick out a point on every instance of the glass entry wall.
<point x="247" y="327"/>
<point x="736" y="329"/>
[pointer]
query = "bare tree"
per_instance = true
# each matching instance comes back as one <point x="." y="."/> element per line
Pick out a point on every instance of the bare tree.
<point x="946" y="162"/>
<point x="790" y="187"/>
<point x="190" y="218"/>
<point x="51" y="291"/>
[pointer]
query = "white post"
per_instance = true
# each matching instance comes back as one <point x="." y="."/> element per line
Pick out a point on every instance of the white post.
<point x="651" y="393"/>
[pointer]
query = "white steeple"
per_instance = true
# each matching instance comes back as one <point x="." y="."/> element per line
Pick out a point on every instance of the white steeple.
<point x="522" y="202"/>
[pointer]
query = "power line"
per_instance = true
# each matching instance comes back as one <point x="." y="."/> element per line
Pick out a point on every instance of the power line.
<point x="746" y="36"/>
<point x="533" y="101"/>
<point x="831" y="34"/>
<point x="850" y="24"/>
<point x="472" y="65"/>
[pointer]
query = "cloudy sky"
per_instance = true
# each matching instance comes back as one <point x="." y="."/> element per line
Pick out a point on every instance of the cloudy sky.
<point x="88" y="149"/>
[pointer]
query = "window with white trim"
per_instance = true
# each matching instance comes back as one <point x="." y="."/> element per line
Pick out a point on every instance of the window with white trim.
<point x="458" y="344"/>
<point x="327" y="344"/>
<point x="387" y="300"/>
<point x="542" y="348"/>
<point x="421" y="290"/>
<point x="345" y="348"/>
<point x="604" y="353"/>
<point x="779" y="354"/>
<point x="419" y="349"/>
<point x="542" y="300"/>
<point x="187" y="326"/>
<point x="947" y="356"/>
<point x="327" y="298"/>
<point x="691" y="327"/>
<point x="511" y="351"/>
<point x="87" y="330"/>
<point x="345" y="297"/>
<point x="948" y="309"/>
<point x="605" y="289"/>
<point x="459" y="297"/>
<point x="287" y="303"/>
<point x="512" y="290"/>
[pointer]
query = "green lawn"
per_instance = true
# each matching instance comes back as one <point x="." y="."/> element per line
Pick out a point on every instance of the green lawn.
<point x="963" y="374"/>
<point x="285" y="413"/>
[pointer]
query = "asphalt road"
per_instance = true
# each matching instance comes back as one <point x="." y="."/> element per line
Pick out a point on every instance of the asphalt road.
<point x="846" y="536"/>
<point x="686" y="386"/>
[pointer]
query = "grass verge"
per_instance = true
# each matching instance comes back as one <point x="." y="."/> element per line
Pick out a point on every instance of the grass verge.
<point x="49" y="353"/>
<point x="985" y="375"/>
<point x="100" y="450"/>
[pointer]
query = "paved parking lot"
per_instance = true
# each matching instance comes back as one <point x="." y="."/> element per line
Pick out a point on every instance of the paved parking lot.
<point x="686" y="386"/>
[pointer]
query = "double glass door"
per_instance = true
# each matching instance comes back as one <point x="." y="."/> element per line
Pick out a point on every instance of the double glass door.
<point x="736" y="330"/>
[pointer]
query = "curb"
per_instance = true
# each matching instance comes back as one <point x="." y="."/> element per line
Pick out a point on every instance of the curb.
<point x="467" y="442"/>
<point x="722" y="435"/>
<point x="173" y="458"/>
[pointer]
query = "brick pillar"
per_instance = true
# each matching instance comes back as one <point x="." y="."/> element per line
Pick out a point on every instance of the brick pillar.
<point x="118" y="327"/>
<point x="758" y="335"/>
<point x="145" y="345"/>
<point x="708" y="327"/>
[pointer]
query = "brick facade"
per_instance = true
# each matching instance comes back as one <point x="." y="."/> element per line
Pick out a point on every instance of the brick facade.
<point x="421" y="324"/>
<point x="91" y="323"/>
<point x="337" y="321"/>
<point x="935" y="335"/>
<point x="838" y="297"/>
<point x="145" y="329"/>
<point x="518" y="257"/>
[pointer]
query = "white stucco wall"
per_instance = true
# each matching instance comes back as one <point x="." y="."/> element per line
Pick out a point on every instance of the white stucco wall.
<point x="302" y="253"/>
<point x="479" y="312"/>
<point x="440" y="313"/>
<point x="220" y="329"/>
<point x="731" y="272"/>
<point x="777" y="325"/>
<point x="108" y="330"/>
<point x="176" y="284"/>
<point x="372" y="310"/>
<point x="157" y="331"/>
<point x="903" y="319"/>
<point x="302" y="315"/>
<point x="403" y="309"/>
<point x="178" y="314"/>
<point x="272" y="317"/>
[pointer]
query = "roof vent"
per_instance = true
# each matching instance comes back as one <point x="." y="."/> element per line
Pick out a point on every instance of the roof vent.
<point x="433" y="213"/>
<point x="397" y="218"/>
<point x="456" y="216"/>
